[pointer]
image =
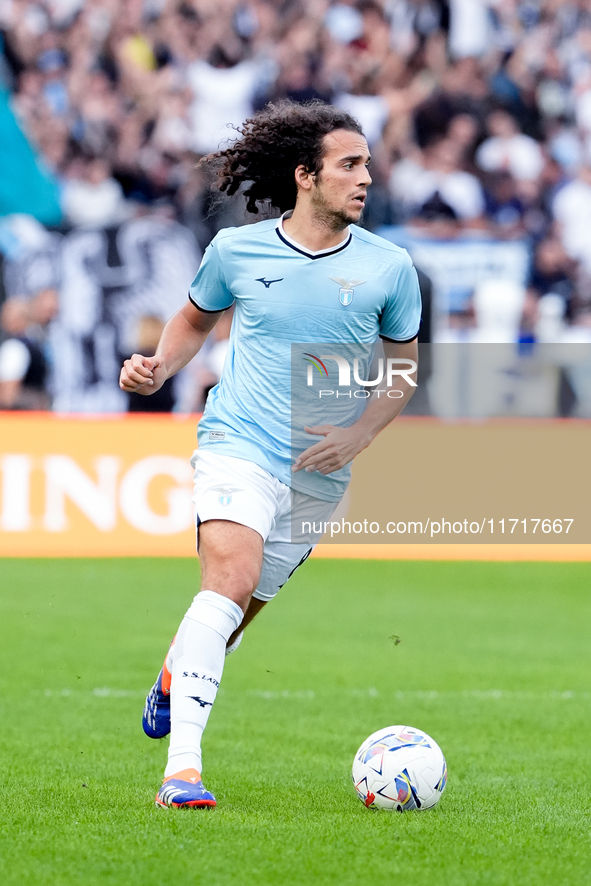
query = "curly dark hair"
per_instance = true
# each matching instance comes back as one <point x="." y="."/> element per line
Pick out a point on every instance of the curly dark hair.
<point x="273" y="144"/>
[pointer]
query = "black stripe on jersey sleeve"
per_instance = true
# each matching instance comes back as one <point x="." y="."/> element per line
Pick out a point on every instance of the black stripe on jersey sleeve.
<point x="205" y="310"/>
<point x="400" y="341"/>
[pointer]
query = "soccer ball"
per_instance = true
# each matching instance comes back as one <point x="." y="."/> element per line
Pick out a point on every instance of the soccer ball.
<point x="399" y="768"/>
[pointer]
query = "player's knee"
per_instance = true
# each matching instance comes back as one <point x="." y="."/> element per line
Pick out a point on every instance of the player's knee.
<point x="236" y="580"/>
<point x="231" y="560"/>
<point x="238" y="594"/>
<point x="242" y="586"/>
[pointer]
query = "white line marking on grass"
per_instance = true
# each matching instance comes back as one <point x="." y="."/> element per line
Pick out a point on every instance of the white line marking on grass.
<point x="99" y="692"/>
<point x="422" y="694"/>
<point x="283" y="693"/>
<point x="370" y="692"/>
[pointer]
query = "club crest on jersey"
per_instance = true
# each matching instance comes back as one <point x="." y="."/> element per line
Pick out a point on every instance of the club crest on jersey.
<point x="347" y="290"/>
<point x="225" y="494"/>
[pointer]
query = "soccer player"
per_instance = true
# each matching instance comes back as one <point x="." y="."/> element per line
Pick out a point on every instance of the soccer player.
<point x="310" y="276"/>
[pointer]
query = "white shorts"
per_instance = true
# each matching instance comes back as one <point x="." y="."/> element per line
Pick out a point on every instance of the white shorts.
<point x="228" y="488"/>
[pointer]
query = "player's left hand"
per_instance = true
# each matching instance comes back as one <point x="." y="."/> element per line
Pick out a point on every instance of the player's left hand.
<point x="337" y="449"/>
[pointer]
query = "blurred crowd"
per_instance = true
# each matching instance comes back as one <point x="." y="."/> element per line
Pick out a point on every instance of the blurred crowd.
<point x="477" y="112"/>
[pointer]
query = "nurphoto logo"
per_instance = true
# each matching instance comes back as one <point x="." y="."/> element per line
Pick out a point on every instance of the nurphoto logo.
<point x="391" y="368"/>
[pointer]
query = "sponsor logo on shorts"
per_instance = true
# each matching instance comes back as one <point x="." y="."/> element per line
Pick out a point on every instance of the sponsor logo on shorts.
<point x="226" y="493"/>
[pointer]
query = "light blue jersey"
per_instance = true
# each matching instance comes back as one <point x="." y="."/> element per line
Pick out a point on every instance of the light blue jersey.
<point x="284" y="294"/>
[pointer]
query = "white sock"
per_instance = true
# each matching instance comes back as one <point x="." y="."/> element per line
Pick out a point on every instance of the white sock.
<point x="169" y="660"/>
<point x="199" y="653"/>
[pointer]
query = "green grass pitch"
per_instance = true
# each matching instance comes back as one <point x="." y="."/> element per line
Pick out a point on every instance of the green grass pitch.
<point x="494" y="661"/>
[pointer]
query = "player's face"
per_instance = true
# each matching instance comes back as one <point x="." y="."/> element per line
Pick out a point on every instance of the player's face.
<point x="339" y="191"/>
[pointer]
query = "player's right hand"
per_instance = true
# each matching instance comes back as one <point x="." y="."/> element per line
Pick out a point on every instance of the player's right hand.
<point x="142" y="375"/>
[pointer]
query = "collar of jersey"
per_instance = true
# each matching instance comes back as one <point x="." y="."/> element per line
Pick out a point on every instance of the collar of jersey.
<point x="320" y="253"/>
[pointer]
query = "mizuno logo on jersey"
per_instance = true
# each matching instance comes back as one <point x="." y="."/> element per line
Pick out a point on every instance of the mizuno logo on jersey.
<point x="267" y="283"/>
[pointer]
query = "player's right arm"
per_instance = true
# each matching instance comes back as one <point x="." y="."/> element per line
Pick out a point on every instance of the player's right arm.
<point x="181" y="339"/>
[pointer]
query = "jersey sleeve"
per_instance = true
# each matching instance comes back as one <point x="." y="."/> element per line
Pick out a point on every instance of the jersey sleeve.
<point x="209" y="290"/>
<point x="401" y="315"/>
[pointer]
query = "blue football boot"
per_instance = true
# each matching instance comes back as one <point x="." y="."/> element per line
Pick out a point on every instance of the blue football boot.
<point x="156" y="716"/>
<point x="184" y="790"/>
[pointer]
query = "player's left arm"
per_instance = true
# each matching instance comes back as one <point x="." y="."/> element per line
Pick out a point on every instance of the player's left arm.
<point x="341" y="445"/>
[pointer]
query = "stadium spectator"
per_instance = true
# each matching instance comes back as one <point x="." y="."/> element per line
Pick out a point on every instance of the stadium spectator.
<point x="509" y="150"/>
<point x="554" y="272"/>
<point x="437" y="172"/>
<point x="224" y="87"/>
<point x="23" y="360"/>
<point x="504" y="208"/>
<point x="571" y="209"/>
<point x="91" y="197"/>
<point x="469" y="28"/>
